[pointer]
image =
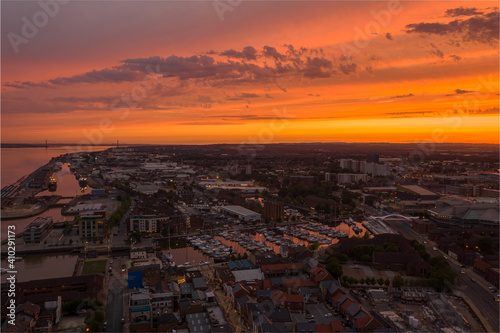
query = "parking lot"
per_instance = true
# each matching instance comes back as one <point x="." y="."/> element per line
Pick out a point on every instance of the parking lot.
<point x="315" y="312"/>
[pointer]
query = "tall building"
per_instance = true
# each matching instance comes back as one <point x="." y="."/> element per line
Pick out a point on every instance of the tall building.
<point x="145" y="223"/>
<point x="92" y="225"/>
<point x="274" y="210"/>
<point x="372" y="158"/>
<point x="375" y="169"/>
<point x="37" y="230"/>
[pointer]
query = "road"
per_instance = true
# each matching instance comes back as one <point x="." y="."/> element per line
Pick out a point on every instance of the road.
<point x="477" y="291"/>
<point x="114" y="306"/>
<point x="114" y="310"/>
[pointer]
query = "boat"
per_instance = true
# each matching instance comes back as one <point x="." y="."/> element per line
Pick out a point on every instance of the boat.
<point x="82" y="181"/>
<point x="52" y="184"/>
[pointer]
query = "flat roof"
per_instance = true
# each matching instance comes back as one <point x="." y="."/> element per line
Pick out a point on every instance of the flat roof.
<point x="418" y="189"/>
<point x="240" y="210"/>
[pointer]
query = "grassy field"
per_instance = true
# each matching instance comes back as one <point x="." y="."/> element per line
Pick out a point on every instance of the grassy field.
<point x="94" y="267"/>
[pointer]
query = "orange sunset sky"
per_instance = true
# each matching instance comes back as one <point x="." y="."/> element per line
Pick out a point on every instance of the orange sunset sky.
<point x="268" y="71"/>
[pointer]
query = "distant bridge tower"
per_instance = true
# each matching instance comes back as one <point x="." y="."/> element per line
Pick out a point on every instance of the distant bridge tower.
<point x="46" y="145"/>
<point x="117" y="143"/>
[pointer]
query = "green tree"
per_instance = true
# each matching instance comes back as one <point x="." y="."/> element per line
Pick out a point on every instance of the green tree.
<point x="397" y="281"/>
<point x="380" y="281"/>
<point x="387" y="282"/>
<point x="313" y="246"/>
<point x="362" y="281"/>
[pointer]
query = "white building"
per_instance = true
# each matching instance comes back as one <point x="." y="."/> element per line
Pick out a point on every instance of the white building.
<point x="145" y="223"/>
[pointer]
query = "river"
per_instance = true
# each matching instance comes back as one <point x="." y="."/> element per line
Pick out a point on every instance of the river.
<point x="19" y="162"/>
<point x="42" y="266"/>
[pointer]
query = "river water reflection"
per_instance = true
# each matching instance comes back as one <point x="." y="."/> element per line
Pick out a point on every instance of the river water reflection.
<point x="42" y="266"/>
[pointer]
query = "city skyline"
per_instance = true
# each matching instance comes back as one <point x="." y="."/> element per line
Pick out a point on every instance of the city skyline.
<point x="265" y="72"/>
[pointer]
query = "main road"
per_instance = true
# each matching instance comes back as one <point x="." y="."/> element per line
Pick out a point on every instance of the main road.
<point x="471" y="285"/>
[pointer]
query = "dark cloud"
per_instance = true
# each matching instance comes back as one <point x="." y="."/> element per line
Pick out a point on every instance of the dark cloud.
<point x="388" y="36"/>
<point x="26" y="84"/>
<point x="436" y="51"/>
<point x="268" y="96"/>
<point x="98" y="76"/>
<point x="248" y="95"/>
<point x="403" y="96"/>
<point x="281" y="88"/>
<point x="209" y="69"/>
<point x="271" y="52"/>
<point x="447" y="113"/>
<point x="455" y="57"/>
<point x="348" y="68"/>
<point x="483" y="28"/>
<point x="461" y="91"/>
<point x="317" y="68"/>
<point x="249" y="53"/>
<point x="461" y="11"/>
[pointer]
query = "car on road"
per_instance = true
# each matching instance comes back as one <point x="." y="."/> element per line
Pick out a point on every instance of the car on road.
<point x="462" y="271"/>
<point x="328" y="315"/>
<point x="435" y="248"/>
<point x="492" y="289"/>
<point x="472" y="280"/>
<point x="123" y="320"/>
<point x="111" y="261"/>
<point x="445" y="257"/>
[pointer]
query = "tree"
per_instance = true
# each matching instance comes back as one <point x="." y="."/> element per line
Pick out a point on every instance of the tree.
<point x="387" y="282"/>
<point x="397" y="281"/>
<point x="335" y="270"/>
<point x="313" y="246"/>
<point x="380" y="281"/>
<point x="366" y="258"/>
<point x="366" y="235"/>
<point x="362" y="281"/>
